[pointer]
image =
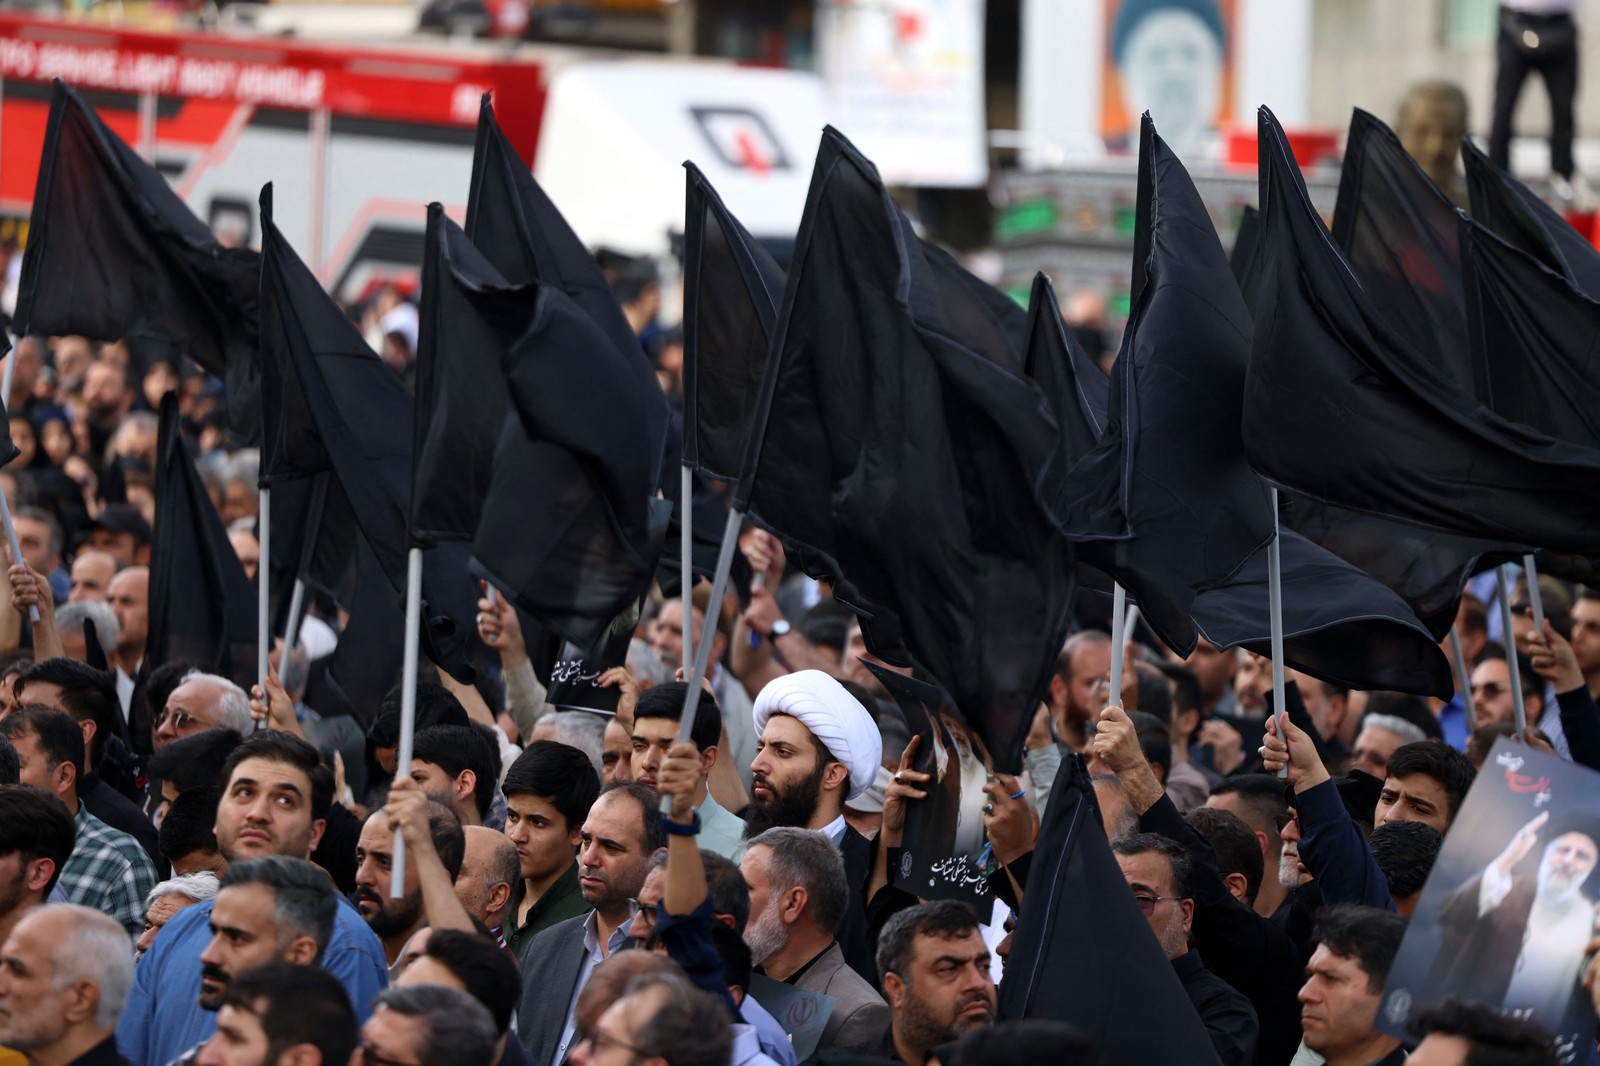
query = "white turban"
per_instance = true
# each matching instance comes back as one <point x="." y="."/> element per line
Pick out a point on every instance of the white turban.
<point x="833" y="716"/>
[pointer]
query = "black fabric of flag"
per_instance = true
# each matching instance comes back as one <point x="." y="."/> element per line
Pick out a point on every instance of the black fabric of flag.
<point x="1339" y="408"/>
<point x="202" y="607"/>
<point x="330" y="404"/>
<point x="569" y="527"/>
<point x="1399" y="233"/>
<point x="369" y="657"/>
<point x="1242" y="258"/>
<point x="314" y="537"/>
<point x="731" y="290"/>
<point x="906" y="467"/>
<point x="113" y="252"/>
<point x="1520" y="217"/>
<point x="1084" y="953"/>
<point x="1166" y="503"/>
<point x="710" y="517"/>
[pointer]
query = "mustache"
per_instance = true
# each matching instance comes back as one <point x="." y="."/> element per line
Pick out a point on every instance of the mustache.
<point x="366" y="893"/>
<point x="983" y="998"/>
<point x="214" y="972"/>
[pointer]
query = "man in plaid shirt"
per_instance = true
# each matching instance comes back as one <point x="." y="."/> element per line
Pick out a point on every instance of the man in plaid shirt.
<point x="108" y="871"/>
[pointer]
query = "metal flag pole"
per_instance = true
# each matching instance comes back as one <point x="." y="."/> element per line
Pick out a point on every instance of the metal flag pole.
<point x="263" y="608"/>
<point x="1514" y="675"/>
<point x="1119" y="615"/>
<point x="1463" y="675"/>
<point x="16" y="549"/>
<point x="1275" y="611"/>
<point x="1530" y="574"/>
<point x="702" y="654"/>
<point x="408" y="706"/>
<point x="685" y="565"/>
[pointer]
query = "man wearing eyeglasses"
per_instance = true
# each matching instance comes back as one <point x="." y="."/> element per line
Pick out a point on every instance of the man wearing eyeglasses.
<point x="1492" y="700"/>
<point x="201" y="702"/>
<point x="1161" y="876"/>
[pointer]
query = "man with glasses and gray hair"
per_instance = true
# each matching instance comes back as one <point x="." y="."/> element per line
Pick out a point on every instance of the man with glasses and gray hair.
<point x="426" y="1025"/>
<point x="1161" y="875"/>
<point x="65" y="972"/>
<point x="200" y="702"/>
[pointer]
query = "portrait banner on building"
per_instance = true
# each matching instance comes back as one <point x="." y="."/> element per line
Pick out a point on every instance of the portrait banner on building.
<point x="1174" y="59"/>
<point x="1510" y="906"/>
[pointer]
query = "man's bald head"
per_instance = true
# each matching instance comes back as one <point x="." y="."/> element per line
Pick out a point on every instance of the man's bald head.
<point x="92" y="572"/>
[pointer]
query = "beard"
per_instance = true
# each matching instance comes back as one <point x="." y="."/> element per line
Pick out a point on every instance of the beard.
<point x="927" y="1030"/>
<point x="391" y="916"/>
<point x="212" y="999"/>
<point x="792" y="805"/>
<point x="1289" y="875"/>
<point x="1556" y="887"/>
<point x="766" y="936"/>
<point x="40" y="1029"/>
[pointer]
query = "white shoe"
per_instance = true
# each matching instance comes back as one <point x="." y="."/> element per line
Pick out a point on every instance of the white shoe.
<point x="1563" y="189"/>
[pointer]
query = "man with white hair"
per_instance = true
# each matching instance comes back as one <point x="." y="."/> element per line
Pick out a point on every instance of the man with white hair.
<point x="817" y="749"/>
<point x="200" y="702"/>
<point x="1380" y="735"/>
<point x="70" y="619"/>
<point x="167" y="899"/>
<point x="65" y="972"/>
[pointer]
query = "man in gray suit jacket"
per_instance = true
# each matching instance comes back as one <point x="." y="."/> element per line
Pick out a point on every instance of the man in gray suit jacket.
<point x="618" y="839"/>
<point x="798" y="899"/>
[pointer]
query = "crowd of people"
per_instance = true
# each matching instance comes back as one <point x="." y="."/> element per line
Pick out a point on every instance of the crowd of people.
<point x="195" y="873"/>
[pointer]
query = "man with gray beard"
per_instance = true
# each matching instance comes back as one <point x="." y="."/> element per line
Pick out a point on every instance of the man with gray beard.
<point x="798" y="898"/>
<point x="1161" y="876"/>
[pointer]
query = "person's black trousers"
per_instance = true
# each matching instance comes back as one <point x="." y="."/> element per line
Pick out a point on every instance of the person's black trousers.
<point x="1558" y="66"/>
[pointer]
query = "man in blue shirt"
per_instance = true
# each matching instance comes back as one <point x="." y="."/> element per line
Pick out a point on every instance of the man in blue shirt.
<point x="276" y="796"/>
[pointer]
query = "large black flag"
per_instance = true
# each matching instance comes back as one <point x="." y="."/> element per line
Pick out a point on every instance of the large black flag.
<point x="1399" y="233"/>
<point x="1520" y="217"/>
<point x="1337" y="407"/>
<point x="568" y="524"/>
<point x="113" y="253"/>
<point x="1165" y="503"/>
<point x="906" y="467"/>
<point x="1083" y="953"/>
<point x="202" y="607"/>
<point x="518" y="229"/>
<point x="330" y="404"/>
<point x="731" y="289"/>
<point x="1078" y="392"/>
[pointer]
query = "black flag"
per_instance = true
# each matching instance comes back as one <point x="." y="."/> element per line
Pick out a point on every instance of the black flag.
<point x="569" y="526"/>
<point x="1517" y="215"/>
<point x="518" y="229"/>
<point x="1241" y="260"/>
<point x="1166" y="503"/>
<point x="906" y="467"/>
<point x="1399" y="233"/>
<point x="202" y="607"/>
<point x="731" y="290"/>
<point x="113" y="252"/>
<point x="1083" y="953"/>
<point x="330" y="404"/>
<point x="1339" y="408"/>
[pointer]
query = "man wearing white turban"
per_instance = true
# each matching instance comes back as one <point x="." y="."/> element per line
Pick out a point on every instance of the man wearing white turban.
<point x="817" y="748"/>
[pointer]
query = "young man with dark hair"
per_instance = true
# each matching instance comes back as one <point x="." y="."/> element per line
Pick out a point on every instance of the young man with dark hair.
<point x="456" y="767"/>
<point x="655" y="730"/>
<point x="194" y="761"/>
<point x="1405" y="852"/>
<point x="280" y="1014"/>
<point x="549" y="791"/>
<point x="275" y="802"/>
<point x="1161" y="875"/>
<point x="1238" y="855"/>
<point x="1455" y="1033"/>
<point x="476" y="966"/>
<point x="1344" y="985"/>
<point x="108" y="871"/>
<point x="90" y="697"/>
<point x="935" y="971"/>
<point x="1258" y="799"/>
<point x="36" y="838"/>
<point x="188" y="833"/>
<point x="1426" y="783"/>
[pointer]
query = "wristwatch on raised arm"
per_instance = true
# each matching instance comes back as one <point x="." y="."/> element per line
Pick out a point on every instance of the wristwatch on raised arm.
<point x="779" y="628"/>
